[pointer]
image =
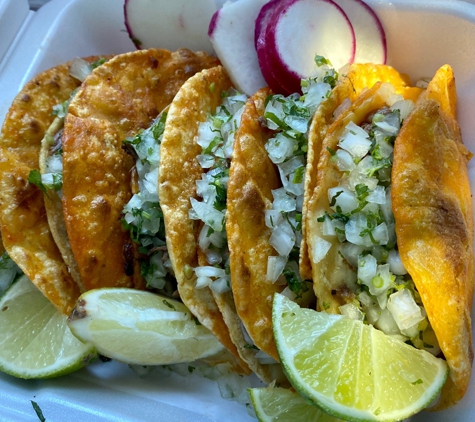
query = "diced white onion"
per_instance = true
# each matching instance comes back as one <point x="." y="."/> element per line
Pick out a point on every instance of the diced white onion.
<point x="387" y="127"/>
<point x="320" y="248"/>
<point x="202" y="282"/>
<point x="344" y="160"/>
<point x="404" y="107"/>
<point x="395" y="263"/>
<point x="386" y="323"/>
<point x="404" y="309"/>
<point x="80" y="69"/>
<point x="351" y="252"/>
<point x="273" y="218"/>
<point x="288" y="293"/>
<point x="221" y="285"/>
<point x="211" y="216"/>
<point x="327" y="227"/>
<point x="208" y="271"/>
<point x="275" y="266"/>
<point x="54" y="163"/>
<point x="377" y="196"/>
<point x="343" y="198"/>
<point x="367" y="268"/>
<point x="282" y="200"/>
<point x="282" y="239"/>
<point x="280" y="148"/>
<point x="352" y="311"/>
<point x="357" y="146"/>
<point x="206" y="161"/>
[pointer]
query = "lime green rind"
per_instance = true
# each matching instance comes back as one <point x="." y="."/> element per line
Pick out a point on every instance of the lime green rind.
<point x="282" y="405"/>
<point x="282" y="306"/>
<point x="35" y="341"/>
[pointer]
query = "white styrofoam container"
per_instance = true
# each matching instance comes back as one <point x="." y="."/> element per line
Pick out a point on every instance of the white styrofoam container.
<point x="421" y="36"/>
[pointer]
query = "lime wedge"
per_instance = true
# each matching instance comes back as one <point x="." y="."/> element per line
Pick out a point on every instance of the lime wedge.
<point x="282" y="405"/>
<point x="141" y="328"/>
<point x="35" y="341"/>
<point x="352" y="370"/>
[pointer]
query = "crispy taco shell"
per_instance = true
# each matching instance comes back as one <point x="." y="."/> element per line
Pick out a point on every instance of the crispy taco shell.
<point x="359" y="78"/>
<point x="25" y="230"/>
<point x="179" y="171"/>
<point x="54" y="205"/>
<point x="434" y="225"/>
<point x="118" y="99"/>
<point x="252" y="178"/>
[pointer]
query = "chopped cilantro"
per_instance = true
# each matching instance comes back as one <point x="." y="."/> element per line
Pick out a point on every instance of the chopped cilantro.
<point x="38" y="411"/>
<point x="98" y="63"/>
<point x="170" y="305"/>
<point x="35" y="179"/>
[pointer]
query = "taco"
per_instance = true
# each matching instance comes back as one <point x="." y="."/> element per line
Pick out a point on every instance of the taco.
<point x="197" y="145"/>
<point x="25" y="230"/>
<point x="390" y="239"/>
<point x="111" y="153"/>
<point x="117" y="101"/>
<point x="275" y="154"/>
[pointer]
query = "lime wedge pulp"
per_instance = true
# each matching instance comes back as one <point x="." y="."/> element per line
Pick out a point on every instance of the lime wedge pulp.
<point x="35" y="341"/>
<point x="282" y="405"/>
<point x="141" y="328"/>
<point x="351" y="370"/>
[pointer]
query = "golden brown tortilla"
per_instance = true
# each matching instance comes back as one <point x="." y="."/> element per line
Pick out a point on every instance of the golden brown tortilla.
<point x="25" y="230"/>
<point x="252" y="178"/>
<point x="179" y="171"/>
<point x="118" y="99"/>
<point x="434" y="225"/>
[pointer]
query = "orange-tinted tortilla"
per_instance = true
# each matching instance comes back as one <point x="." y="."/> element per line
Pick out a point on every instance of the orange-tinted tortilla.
<point x="117" y="100"/>
<point x="434" y="225"/>
<point x="25" y="230"/>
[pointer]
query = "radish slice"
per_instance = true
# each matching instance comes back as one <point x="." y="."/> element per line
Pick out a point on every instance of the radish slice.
<point x="170" y="24"/>
<point x="369" y="32"/>
<point x="303" y="29"/>
<point x="260" y="35"/>
<point x="231" y="32"/>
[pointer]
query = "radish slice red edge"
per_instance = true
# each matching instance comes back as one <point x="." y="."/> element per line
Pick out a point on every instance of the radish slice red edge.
<point x="260" y="41"/>
<point x="297" y="31"/>
<point x="132" y="37"/>
<point x="369" y="32"/>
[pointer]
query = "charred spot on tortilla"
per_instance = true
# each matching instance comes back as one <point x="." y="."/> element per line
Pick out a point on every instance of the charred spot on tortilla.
<point x="129" y="256"/>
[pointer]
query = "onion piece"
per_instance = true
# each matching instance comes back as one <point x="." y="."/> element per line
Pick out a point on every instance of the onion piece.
<point x="320" y="248"/>
<point x="404" y="309"/>
<point x="80" y="69"/>
<point x="275" y="266"/>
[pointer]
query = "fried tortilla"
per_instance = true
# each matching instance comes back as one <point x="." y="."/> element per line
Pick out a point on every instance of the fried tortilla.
<point x="432" y="207"/>
<point x="54" y="204"/>
<point x="179" y="171"/>
<point x="359" y="78"/>
<point x="333" y="283"/>
<point x="117" y="100"/>
<point x="25" y="230"/>
<point x="252" y="178"/>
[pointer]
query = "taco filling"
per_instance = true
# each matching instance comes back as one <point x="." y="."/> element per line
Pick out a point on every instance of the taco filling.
<point x="143" y="216"/>
<point x="290" y="117"/>
<point x="216" y="137"/>
<point x="362" y="220"/>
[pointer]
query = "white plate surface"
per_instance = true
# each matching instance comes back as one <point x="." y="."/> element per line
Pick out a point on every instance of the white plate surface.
<point x="421" y="36"/>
